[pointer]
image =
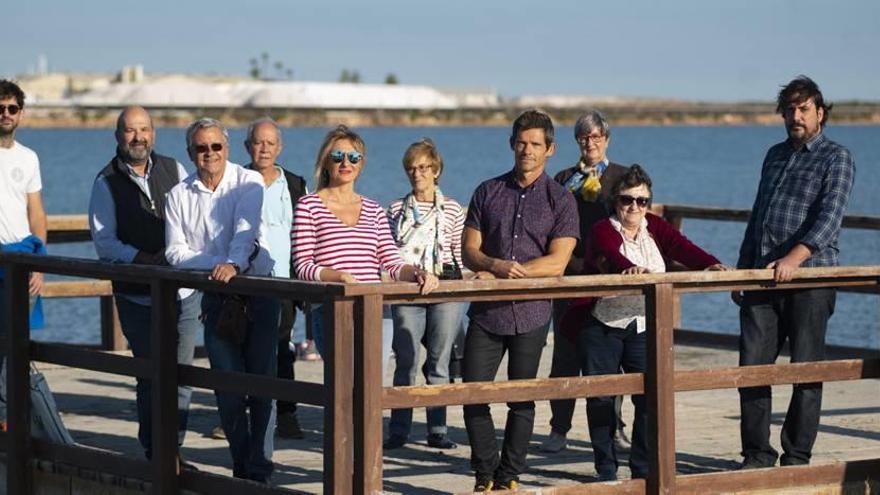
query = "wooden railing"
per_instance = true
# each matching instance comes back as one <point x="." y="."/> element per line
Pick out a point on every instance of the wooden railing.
<point x="75" y="228"/>
<point x="352" y="394"/>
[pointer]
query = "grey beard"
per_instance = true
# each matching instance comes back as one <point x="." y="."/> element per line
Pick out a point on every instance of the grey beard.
<point x="135" y="156"/>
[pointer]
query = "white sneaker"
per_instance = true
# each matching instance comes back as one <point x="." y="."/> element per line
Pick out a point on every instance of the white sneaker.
<point x="556" y="442"/>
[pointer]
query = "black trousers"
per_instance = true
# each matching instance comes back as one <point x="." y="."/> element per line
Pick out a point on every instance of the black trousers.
<point x="483" y="352"/>
<point x="767" y="320"/>
<point x="286" y="357"/>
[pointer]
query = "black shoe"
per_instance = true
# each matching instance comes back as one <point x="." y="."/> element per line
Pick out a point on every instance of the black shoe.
<point x="621" y="440"/>
<point x="441" y="441"/>
<point x="755" y="463"/>
<point x="288" y="426"/>
<point x="789" y="461"/>
<point x="394" y="442"/>
<point x="606" y="477"/>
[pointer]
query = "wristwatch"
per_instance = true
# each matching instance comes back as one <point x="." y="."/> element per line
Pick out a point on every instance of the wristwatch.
<point x="237" y="268"/>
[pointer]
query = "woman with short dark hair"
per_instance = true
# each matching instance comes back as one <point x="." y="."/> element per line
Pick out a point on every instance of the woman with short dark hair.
<point x="611" y="332"/>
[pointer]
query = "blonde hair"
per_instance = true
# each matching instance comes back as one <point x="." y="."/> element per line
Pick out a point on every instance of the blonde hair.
<point x="341" y="132"/>
<point x="424" y="148"/>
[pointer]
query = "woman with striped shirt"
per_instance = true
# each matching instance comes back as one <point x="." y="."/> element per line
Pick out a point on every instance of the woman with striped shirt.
<point x="427" y="227"/>
<point x="341" y="236"/>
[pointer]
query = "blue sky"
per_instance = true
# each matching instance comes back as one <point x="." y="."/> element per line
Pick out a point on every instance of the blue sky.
<point x="693" y="49"/>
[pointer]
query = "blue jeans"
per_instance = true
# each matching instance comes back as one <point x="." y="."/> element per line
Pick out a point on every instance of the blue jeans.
<point x="135" y="320"/>
<point x="251" y="437"/>
<point x="604" y="351"/>
<point x="439" y="325"/>
<point x="387" y="332"/>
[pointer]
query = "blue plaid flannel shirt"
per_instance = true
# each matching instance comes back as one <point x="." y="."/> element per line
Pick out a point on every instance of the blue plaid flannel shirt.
<point x="801" y="200"/>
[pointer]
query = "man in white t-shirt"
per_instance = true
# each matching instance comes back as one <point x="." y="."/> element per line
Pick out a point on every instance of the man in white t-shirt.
<point x="21" y="205"/>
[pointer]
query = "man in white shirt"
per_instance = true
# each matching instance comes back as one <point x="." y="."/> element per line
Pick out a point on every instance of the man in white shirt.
<point x="22" y="216"/>
<point x="213" y="222"/>
<point x="127" y="220"/>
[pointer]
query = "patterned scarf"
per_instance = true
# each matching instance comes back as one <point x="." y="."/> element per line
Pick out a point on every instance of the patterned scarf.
<point x="421" y="237"/>
<point x="585" y="181"/>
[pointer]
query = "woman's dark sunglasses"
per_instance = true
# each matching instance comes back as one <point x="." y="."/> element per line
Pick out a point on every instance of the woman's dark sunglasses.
<point x="354" y="157"/>
<point x="203" y="148"/>
<point x="12" y="109"/>
<point x="625" y="200"/>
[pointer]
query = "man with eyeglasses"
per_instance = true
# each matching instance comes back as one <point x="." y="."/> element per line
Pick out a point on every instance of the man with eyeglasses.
<point x="520" y="224"/>
<point x="214" y="223"/>
<point x="283" y="190"/>
<point x="795" y="221"/>
<point x="127" y="221"/>
<point x="22" y="216"/>
<point x="589" y="180"/>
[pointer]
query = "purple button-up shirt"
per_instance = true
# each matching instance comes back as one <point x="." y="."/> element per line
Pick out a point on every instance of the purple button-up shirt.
<point x="518" y="224"/>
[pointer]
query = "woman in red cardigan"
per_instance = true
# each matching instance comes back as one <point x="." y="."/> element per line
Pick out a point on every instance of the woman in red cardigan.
<point x="611" y="332"/>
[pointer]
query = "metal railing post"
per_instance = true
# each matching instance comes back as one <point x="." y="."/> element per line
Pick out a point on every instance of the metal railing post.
<point x="19" y="476"/>
<point x="163" y="352"/>
<point x="368" y="395"/>
<point x="660" y="389"/>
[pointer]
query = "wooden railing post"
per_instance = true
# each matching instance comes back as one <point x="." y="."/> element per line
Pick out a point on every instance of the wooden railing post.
<point x="368" y="395"/>
<point x="660" y="389"/>
<point x="337" y="322"/>
<point x="19" y="477"/>
<point x="112" y="338"/>
<point x="163" y="349"/>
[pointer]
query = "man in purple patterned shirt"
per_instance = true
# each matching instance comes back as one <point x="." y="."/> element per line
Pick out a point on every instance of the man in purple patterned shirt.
<point x="521" y="224"/>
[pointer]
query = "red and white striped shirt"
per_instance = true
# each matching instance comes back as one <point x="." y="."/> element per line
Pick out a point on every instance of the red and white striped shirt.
<point x="453" y="224"/>
<point x="320" y="240"/>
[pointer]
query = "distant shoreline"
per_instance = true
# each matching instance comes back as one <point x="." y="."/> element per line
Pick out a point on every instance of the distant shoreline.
<point x="674" y="114"/>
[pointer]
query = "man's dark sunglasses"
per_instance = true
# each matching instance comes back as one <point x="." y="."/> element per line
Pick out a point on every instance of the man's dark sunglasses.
<point x="12" y="109"/>
<point x="203" y="148"/>
<point x="625" y="200"/>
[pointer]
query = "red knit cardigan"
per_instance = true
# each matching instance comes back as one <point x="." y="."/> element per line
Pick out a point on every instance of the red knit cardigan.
<point x="604" y="244"/>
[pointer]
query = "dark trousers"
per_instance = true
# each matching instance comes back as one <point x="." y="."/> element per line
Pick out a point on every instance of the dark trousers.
<point x="483" y="352"/>
<point x="286" y="357"/>
<point x="767" y="320"/>
<point x="566" y="362"/>
<point x="605" y="351"/>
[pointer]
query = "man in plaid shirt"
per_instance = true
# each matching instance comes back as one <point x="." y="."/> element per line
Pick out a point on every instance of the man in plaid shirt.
<point x="795" y="221"/>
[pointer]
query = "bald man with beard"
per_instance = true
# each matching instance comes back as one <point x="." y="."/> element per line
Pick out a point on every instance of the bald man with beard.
<point x="127" y="220"/>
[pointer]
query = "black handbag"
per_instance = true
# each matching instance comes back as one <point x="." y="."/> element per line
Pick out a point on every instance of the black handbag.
<point x="232" y="321"/>
<point x="451" y="271"/>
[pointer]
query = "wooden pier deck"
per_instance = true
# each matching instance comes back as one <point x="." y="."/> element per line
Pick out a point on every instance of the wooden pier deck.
<point x="99" y="409"/>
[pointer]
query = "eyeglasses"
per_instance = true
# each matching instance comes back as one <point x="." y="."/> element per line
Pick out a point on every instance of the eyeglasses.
<point x="625" y="200"/>
<point x="422" y="169"/>
<point x="354" y="157"/>
<point x="203" y="148"/>
<point x="12" y="109"/>
<point x="582" y="140"/>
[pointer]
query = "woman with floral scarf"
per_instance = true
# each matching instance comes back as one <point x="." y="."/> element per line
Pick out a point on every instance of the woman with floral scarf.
<point x="427" y="227"/>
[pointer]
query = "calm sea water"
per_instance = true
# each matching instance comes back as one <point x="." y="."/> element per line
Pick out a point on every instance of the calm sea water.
<point x="710" y="166"/>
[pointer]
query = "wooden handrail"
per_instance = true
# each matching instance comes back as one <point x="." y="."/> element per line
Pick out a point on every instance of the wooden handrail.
<point x="353" y="420"/>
